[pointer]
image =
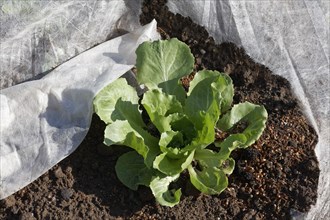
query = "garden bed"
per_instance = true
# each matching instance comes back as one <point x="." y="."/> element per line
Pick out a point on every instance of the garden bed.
<point x="273" y="179"/>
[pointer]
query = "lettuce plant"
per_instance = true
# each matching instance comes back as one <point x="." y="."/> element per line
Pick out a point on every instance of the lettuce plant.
<point x="185" y="123"/>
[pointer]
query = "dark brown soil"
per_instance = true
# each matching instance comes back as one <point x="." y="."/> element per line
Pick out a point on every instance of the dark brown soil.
<point x="275" y="177"/>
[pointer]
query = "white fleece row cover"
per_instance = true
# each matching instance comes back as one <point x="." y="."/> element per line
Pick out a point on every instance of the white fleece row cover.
<point x="289" y="37"/>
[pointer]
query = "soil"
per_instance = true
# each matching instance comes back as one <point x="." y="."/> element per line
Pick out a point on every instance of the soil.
<point x="273" y="179"/>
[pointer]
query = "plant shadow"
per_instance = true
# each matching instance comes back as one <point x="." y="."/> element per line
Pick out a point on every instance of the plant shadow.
<point x="94" y="176"/>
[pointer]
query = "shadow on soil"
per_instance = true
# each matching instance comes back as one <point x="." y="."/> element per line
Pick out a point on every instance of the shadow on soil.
<point x="93" y="173"/>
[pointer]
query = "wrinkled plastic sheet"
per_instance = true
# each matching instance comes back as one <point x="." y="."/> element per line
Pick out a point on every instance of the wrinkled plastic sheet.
<point x="289" y="37"/>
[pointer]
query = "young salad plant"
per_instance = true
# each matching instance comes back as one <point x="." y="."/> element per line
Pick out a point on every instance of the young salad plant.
<point x="185" y="122"/>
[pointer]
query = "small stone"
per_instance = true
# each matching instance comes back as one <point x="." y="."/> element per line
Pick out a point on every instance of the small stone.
<point x="27" y="216"/>
<point x="66" y="193"/>
<point x="249" y="215"/>
<point x="199" y="61"/>
<point x="10" y="201"/>
<point x="231" y="192"/>
<point x="50" y="195"/>
<point x="292" y="143"/>
<point x="234" y="209"/>
<point x="45" y="214"/>
<point x="68" y="170"/>
<point x="59" y="173"/>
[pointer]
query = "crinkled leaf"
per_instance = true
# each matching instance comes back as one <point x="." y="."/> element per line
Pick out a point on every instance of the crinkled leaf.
<point x="182" y="124"/>
<point x="132" y="171"/>
<point x="172" y="166"/>
<point x="228" y="166"/>
<point x="221" y="85"/>
<point x="224" y="91"/>
<point x="106" y="100"/>
<point x="160" y="105"/>
<point x="205" y="133"/>
<point x="203" y="136"/>
<point x="210" y="158"/>
<point x="209" y="180"/>
<point x="122" y="133"/>
<point x="202" y="99"/>
<point x="163" y="60"/>
<point x="232" y="142"/>
<point x="254" y="115"/>
<point x="172" y="139"/>
<point x="160" y="189"/>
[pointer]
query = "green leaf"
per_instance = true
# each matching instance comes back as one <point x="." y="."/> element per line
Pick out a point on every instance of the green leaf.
<point x="122" y="133"/>
<point x="210" y="158"/>
<point x="172" y="166"/>
<point x="170" y="139"/>
<point x="160" y="105"/>
<point x="224" y="91"/>
<point x="202" y="99"/>
<point x="200" y="76"/>
<point x="160" y="189"/>
<point x="163" y="60"/>
<point x="209" y="180"/>
<point x="205" y="133"/>
<point x="127" y="111"/>
<point x="106" y="100"/>
<point x="254" y="115"/>
<point x="228" y="166"/>
<point x="232" y="142"/>
<point x="221" y="86"/>
<point x="175" y="88"/>
<point x="181" y="123"/>
<point x="132" y="171"/>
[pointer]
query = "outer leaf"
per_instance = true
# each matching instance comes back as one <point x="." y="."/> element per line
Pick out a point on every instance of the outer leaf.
<point x="229" y="144"/>
<point x="170" y="166"/>
<point x="221" y="84"/>
<point x="160" y="105"/>
<point x="225" y="91"/>
<point x="161" y="61"/>
<point x="106" y="100"/>
<point x="201" y="76"/>
<point x="122" y="133"/>
<point x="202" y="99"/>
<point x="126" y="110"/>
<point x="209" y="181"/>
<point x="175" y="88"/>
<point x="228" y="166"/>
<point x="209" y="158"/>
<point x="254" y="115"/>
<point x="132" y="171"/>
<point x="159" y="187"/>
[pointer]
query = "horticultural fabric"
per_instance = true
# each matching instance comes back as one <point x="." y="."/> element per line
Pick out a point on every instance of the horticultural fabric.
<point x="290" y="37"/>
